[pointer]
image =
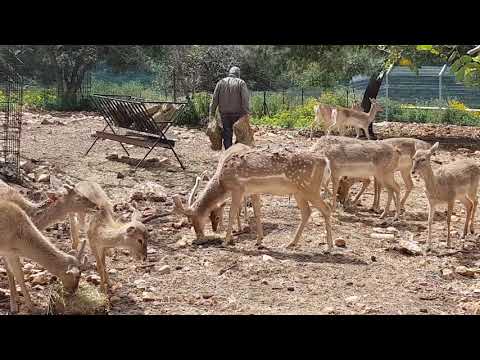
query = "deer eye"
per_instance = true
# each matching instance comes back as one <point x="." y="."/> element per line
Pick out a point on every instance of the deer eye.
<point x="140" y="241"/>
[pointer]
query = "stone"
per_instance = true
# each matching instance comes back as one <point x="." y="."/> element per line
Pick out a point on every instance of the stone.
<point x="448" y="274"/>
<point x="464" y="271"/>
<point x="373" y="258"/>
<point x="148" y="296"/>
<point x="328" y="310"/>
<point x="290" y="288"/>
<point x="409" y="248"/>
<point x="94" y="279"/>
<point x="112" y="156"/>
<point x="115" y="299"/>
<point x="120" y="175"/>
<point x="267" y="258"/>
<point x="165" y="269"/>
<point x="207" y="296"/>
<point x="264" y="282"/>
<point x="351" y="299"/>
<point x="44" y="178"/>
<point x="340" y="242"/>
<point x="41" y="278"/>
<point x="382" y="236"/>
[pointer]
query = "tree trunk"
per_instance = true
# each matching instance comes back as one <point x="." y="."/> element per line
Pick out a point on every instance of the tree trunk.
<point x="371" y="91"/>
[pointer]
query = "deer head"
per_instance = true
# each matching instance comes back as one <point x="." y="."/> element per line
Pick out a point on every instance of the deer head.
<point x="135" y="237"/>
<point x="376" y="105"/>
<point x="421" y="159"/>
<point x="76" y="263"/>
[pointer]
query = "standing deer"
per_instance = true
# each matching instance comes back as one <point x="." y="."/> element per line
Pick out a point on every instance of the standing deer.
<point x="343" y="117"/>
<point x="325" y="112"/>
<point x="21" y="238"/>
<point x="454" y="181"/>
<point x="261" y="171"/>
<point x="370" y="158"/>
<point x="104" y="233"/>
<point x="407" y="147"/>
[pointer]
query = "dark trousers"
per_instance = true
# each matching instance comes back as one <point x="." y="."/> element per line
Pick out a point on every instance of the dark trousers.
<point x="228" y="120"/>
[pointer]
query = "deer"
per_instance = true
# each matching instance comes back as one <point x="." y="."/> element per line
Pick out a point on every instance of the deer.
<point x="21" y="238"/>
<point x="216" y="216"/>
<point x="325" y="143"/>
<point x="104" y="233"/>
<point x="324" y="112"/>
<point x="407" y="147"/>
<point x="369" y="158"/>
<point x="455" y="181"/>
<point x="259" y="171"/>
<point x="343" y="117"/>
<point x="77" y="219"/>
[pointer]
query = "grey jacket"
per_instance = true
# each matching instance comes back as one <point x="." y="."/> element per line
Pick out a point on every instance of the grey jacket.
<point x="231" y="96"/>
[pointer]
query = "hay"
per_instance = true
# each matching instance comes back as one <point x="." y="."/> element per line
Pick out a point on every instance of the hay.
<point x="214" y="132"/>
<point x="243" y="131"/>
<point x="87" y="300"/>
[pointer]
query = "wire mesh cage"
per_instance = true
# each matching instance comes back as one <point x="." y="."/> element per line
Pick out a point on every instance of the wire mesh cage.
<point x="11" y="103"/>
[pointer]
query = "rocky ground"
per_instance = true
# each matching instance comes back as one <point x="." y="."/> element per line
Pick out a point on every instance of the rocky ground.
<point x="370" y="274"/>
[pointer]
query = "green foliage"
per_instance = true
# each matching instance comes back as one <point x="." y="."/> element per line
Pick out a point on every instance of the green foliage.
<point x="298" y="117"/>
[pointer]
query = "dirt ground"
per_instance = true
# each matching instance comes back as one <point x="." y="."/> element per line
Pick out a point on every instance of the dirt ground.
<point x="365" y="277"/>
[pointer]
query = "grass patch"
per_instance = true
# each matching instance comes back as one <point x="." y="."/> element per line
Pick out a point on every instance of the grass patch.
<point x="87" y="300"/>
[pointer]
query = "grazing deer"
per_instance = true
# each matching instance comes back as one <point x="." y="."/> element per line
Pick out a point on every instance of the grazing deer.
<point x="104" y="233"/>
<point x="364" y="160"/>
<point x="260" y="171"/>
<point x="407" y="147"/>
<point x="216" y="215"/>
<point x="454" y="181"/>
<point x="21" y="238"/>
<point x="343" y="117"/>
<point x="325" y="112"/>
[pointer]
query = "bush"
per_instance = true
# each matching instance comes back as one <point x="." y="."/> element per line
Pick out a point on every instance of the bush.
<point x="298" y="117"/>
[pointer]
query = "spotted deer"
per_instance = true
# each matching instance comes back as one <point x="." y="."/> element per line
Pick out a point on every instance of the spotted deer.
<point x="366" y="159"/>
<point x="216" y="215"/>
<point x="263" y="171"/>
<point x="21" y="238"/>
<point x="104" y="232"/>
<point x="407" y="147"/>
<point x="455" y="181"/>
<point x="343" y="117"/>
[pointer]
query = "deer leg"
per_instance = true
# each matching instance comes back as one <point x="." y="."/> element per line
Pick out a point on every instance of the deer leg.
<point x="431" y="212"/>
<point x="407" y="179"/>
<point x="376" y="194"/>
<point x="74" y="231"/>
<point x="100" y="261"/>
<point x="366" y="132"/>
<point x="16" y="268"/>
<point x="365" y="184"/>
<point x="357" y="130"/>
<point x="393" y="191"/>
<point x="326" y="212"/>
<point x="474" y="210"/>
<point x="13" y="289"/>
<point x="449" y="216"/>
<point x="305" y="213"/>
<point x="335" y="184"/>
<point x="234" y="207"/>
<point x="256" y="202"/>
<point x="469" y="208"/>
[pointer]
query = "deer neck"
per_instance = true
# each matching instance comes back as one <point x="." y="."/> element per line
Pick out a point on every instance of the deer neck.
<point x="49" y="213"/>
<point x="42" y="251"/>
<point x="211" y="196"/>
<point x="372" y="113"/>
<point x="429" y="179"/>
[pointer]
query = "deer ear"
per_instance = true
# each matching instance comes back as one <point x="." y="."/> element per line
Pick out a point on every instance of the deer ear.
<point x="136" y="215"/>
<point x="73" y="270"/>
<point x="178" y="207"/>
<point x="434" y="148"/>
<point x="52" y="196"/>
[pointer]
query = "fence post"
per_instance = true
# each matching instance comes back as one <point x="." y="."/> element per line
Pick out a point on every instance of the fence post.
<point x="386" y="91"/>
<point x="283" y="97"/>
<point x="440" y="75"/>
<point x="174" y="87"/>
<point x="302" y="96"/>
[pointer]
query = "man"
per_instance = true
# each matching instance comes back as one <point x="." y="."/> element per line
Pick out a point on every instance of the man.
<point x="232" y="99"/>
